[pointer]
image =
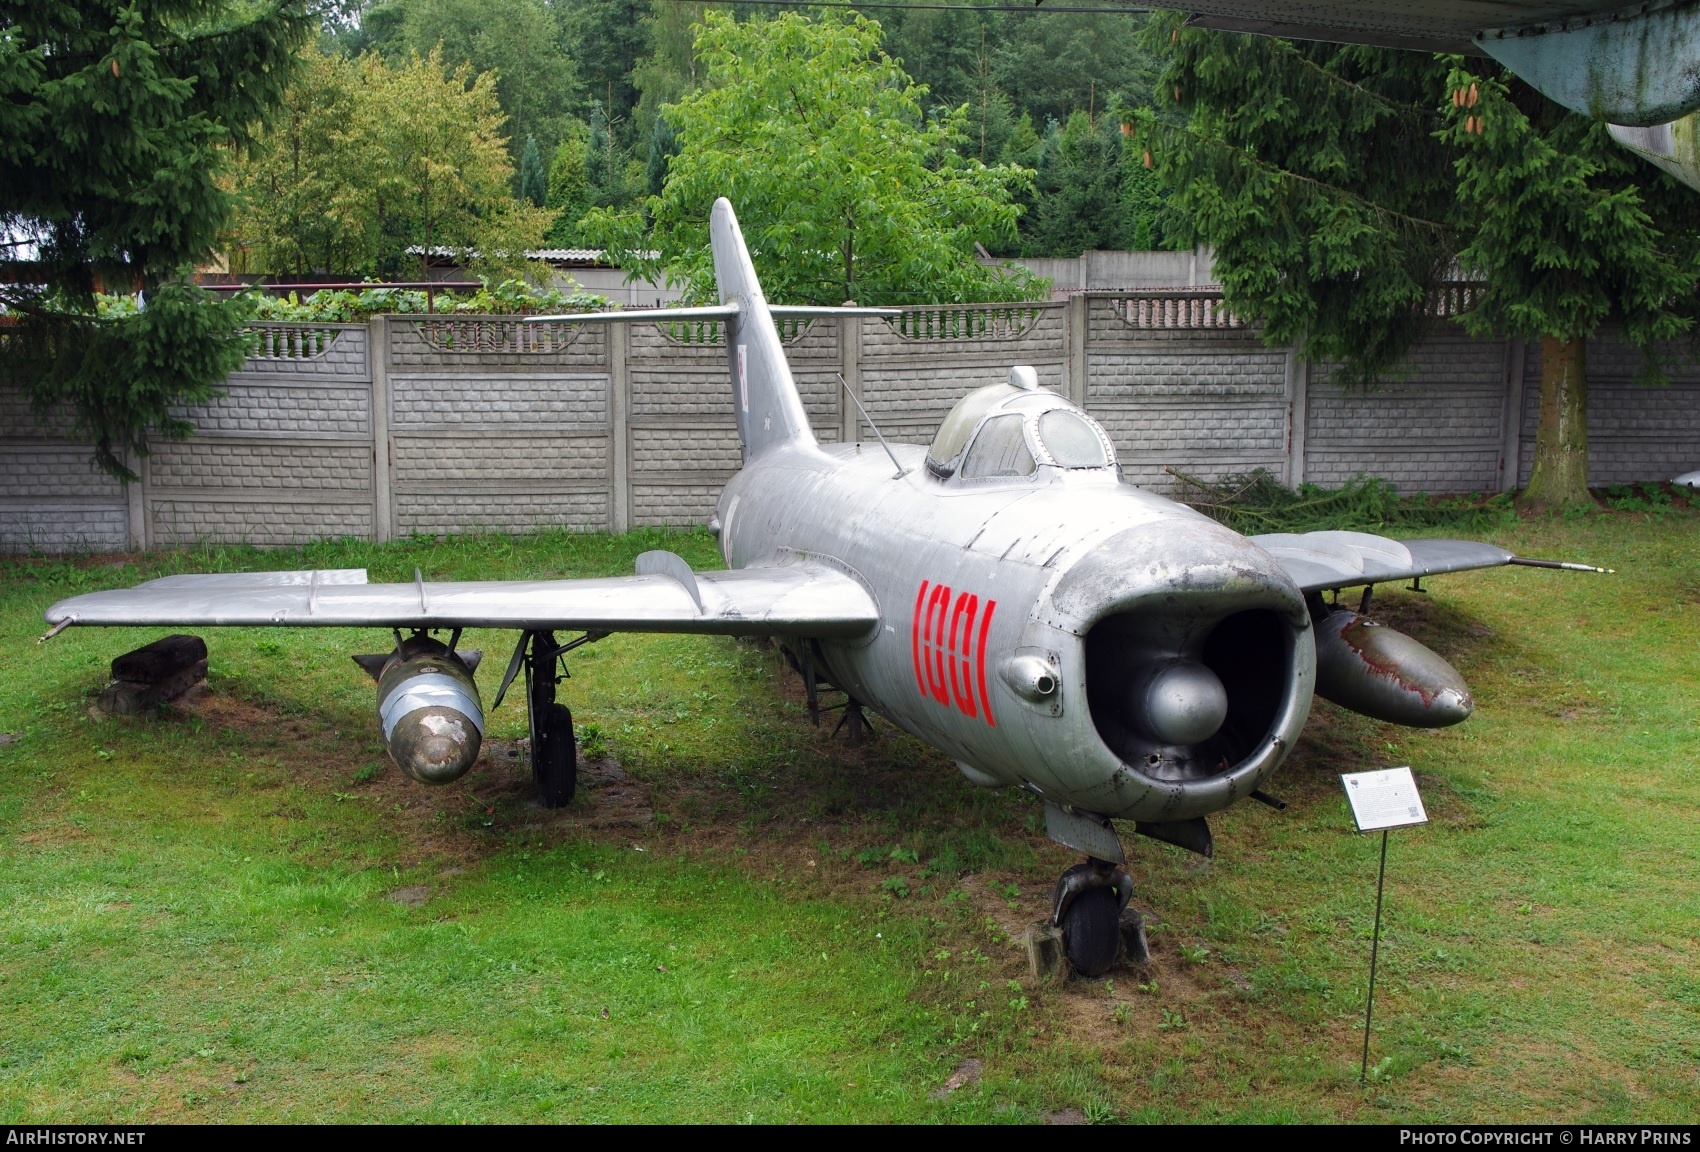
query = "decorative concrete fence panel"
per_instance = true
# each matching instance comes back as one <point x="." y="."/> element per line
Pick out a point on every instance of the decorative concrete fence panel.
<point x="911" y="369"/>
<point x="51" y="499"/>
<point x="454" y="424"/>
<point x="1180" y="383"/>
<point x="285" y="456"/>
<point x="495" y="425"/>
<point x="1443" y="428"/>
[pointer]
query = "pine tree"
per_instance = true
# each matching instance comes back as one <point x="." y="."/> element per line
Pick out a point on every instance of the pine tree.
<point x="663" y="146"/>
<point x="1144" y="203"/>
<point x="533" y="180"/>
<point x="1340" y="186"/>
<point x="1569" y="232"/>
<point x="118" y="117"/>
<point x="1314" y="172"/>
<point x="1079" y="202"/>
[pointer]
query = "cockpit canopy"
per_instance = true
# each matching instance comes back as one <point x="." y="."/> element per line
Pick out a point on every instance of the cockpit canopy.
<point x="1010" y="430"/>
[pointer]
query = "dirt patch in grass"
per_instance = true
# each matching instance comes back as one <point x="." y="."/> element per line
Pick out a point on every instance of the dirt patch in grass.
<point x="444" y="826"/>
<point x="771" y="836"/>
<point x="867" y="825"/>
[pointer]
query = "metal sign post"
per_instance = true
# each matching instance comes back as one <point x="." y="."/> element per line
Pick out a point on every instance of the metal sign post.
<point x="1381" y="801"/>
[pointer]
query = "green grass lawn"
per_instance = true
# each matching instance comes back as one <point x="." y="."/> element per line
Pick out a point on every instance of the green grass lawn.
<point x="241" y="910"/>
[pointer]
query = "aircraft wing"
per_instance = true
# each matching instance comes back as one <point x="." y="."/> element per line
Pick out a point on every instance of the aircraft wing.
<point x="1318" y="560"/>
<point x="803" y="599"/>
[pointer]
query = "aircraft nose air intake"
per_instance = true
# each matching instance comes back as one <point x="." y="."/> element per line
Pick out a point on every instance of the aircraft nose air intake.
<point x="1198" y="668"/>
<point x="1184" y="703"/>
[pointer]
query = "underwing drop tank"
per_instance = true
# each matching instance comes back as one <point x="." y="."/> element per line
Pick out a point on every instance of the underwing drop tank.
<point x="428" y="709"/>
<point x="1378" y="671"/>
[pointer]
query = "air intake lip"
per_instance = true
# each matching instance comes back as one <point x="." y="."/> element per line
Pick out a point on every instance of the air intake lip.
<point x="1182" y="592"/>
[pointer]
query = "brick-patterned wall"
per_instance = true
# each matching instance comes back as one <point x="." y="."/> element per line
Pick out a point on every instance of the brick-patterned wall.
<point x="283" y="457"/>
<point x="683" y="441"/>
<point x="498" y="427"/>
<point x="1441" y="429"/>
<point x="453" y="424"/>
<point x="1636" y="431"/>
<point x="1206" y="401"/>
<point x="51" y="497"/>
<point x="908" y="382"/>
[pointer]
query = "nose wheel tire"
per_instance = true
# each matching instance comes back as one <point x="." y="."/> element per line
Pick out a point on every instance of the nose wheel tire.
<point x="1091" y="928"/>
<point x="554" y="757"/>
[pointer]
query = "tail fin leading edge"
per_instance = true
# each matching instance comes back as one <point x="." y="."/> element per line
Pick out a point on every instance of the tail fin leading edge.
<point x="764" y="395"/>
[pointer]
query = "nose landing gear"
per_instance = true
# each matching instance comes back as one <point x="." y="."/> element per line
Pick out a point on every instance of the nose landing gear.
<point x="1087" y="908"/>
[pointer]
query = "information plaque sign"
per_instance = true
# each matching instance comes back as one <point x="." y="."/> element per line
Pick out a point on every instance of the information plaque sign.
<point x="1384" y="799"/>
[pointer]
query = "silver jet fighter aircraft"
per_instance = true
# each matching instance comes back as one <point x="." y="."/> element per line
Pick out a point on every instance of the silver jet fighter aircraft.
<point x="1004" y="596"/>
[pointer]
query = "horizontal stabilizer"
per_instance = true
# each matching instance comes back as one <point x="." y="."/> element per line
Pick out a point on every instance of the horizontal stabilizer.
<point x="707" y="312"/>
<point x="712" y="312"/>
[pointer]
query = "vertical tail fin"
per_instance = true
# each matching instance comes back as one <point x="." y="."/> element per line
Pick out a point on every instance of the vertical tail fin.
<point x="770" y="411"/>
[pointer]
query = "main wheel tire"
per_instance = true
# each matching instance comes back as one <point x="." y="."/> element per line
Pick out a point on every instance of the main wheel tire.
<point x="554" y="765"/>
<point x="1091" y="932"/>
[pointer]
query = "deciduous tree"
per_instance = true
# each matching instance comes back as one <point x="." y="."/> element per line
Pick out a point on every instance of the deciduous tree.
<point x="304" y="203"/>
<point x="520" y="41"/>
<point x="845" y="189"/>
<point x="569" y="185"/>
<point x="381" y="166"/>
<point x="608" y="39"/>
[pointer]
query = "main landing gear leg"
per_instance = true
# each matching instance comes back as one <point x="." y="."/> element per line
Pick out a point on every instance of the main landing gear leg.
<point x="1087" y="908"/>
<point x="554" y="755"/>
<point x="856" y="721"/>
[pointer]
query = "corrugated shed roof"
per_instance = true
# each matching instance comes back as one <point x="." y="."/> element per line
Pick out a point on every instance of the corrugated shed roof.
<point x="580" y="256"/>
<point x="568" y="255"/>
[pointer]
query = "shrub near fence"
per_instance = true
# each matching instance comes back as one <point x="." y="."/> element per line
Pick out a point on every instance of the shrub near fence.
<point x="459" y="423"/>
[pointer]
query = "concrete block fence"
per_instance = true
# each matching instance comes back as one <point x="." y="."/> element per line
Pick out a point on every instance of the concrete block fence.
<point x="443" y="425"/>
